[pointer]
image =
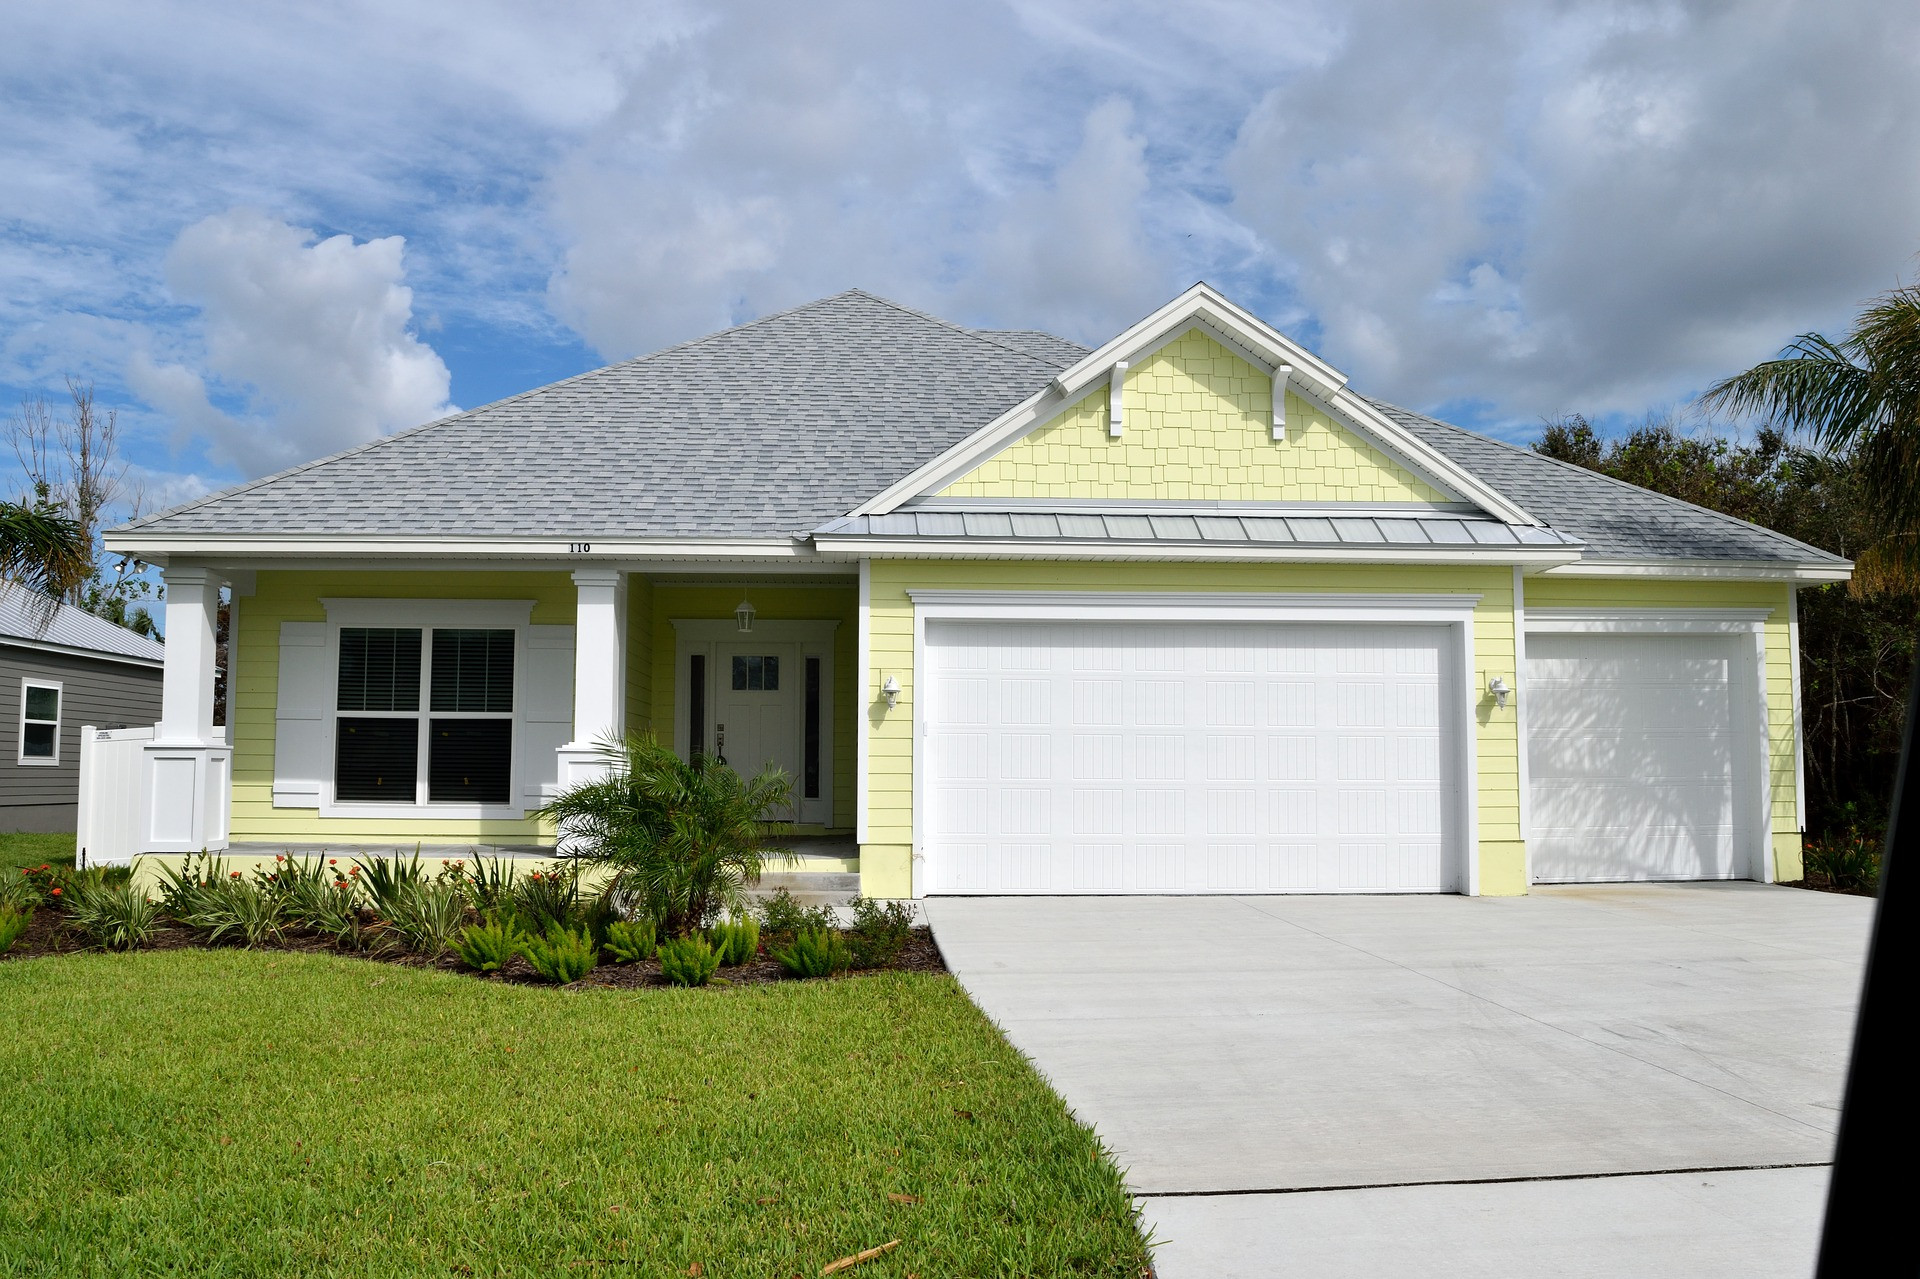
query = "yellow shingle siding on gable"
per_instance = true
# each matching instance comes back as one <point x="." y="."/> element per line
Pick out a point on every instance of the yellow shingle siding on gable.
<point x="1199" y="427"/>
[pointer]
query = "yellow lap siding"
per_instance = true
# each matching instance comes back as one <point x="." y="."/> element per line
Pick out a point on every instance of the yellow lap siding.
<point x="1199" y="426"/>
<point x="294" y="596"/>
<point x="885" y="854"/>
<point x="1655" y="593"/>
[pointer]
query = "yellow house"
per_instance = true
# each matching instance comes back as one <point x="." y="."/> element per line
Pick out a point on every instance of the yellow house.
<point x="1182" y="614"/>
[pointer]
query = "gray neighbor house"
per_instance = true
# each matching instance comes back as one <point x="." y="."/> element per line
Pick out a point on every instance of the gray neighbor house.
<point x="57" y="673"/>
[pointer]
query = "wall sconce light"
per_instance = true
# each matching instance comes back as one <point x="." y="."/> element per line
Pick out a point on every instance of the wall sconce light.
<point x="1498" y="687"/>
<point x="743" y="616"/>
<point x="890" y="689"/>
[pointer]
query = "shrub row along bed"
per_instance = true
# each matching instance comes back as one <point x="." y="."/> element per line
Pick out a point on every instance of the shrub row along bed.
<point x="475" y="915"/>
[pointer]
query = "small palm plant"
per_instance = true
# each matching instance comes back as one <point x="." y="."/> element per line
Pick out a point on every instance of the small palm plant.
<point x="683" y="838"/>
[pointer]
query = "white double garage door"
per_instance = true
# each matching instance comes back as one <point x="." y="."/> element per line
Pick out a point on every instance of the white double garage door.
<point x="1110" y="757"/>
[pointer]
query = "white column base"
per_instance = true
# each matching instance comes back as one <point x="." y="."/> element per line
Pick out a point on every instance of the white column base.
<point x="582" y="763"/>
<point x="186" y="794"/>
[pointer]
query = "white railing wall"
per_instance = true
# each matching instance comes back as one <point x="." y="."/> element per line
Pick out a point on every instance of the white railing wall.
<point x="121" y="777"/>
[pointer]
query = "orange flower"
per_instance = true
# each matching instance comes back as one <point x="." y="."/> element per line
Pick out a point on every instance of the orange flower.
<point x="333" y="861"/>
<point x="56" y="892"/>
<point x="236" y="874"/>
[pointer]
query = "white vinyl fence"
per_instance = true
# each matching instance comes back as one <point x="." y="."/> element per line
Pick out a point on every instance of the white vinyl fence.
<point x="112" y="776"/>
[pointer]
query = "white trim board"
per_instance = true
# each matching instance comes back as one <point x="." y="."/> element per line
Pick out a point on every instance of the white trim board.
<point x="1728" y="570"/>
<point x="1454" y="611"/>
<point x="1635" y="621"/>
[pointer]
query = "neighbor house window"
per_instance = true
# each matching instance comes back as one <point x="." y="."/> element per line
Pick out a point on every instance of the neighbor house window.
<point x="39" y="722"/>
<point x="456" y="748"/>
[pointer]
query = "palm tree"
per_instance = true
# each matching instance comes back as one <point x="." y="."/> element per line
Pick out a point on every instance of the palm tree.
<point x="42" y="550"/>
<point x="684" y="838"/>
<point x="1859" y="395"/>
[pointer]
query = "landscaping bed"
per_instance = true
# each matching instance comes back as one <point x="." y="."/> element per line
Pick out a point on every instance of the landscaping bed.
<point x="260" y="1112"/>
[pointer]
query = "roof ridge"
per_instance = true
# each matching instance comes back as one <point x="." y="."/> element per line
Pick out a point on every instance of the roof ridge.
<point x="977" y="335"/>
<point x="249" y="485"/>
<point x="1577" y="469"/>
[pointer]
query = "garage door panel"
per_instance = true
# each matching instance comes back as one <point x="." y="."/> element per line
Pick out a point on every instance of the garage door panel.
<point x="1631" y="755"/>
<point x="1184" y="758"/>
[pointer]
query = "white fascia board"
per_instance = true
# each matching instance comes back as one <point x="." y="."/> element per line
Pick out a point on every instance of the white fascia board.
<point x="158" y="548"/>
<point x="1202" y="304"/>
<point x="868" y="546"/>
<point x="1725" y="570"/>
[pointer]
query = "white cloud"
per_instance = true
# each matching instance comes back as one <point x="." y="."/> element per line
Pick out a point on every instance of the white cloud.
<point x="312" y="335"/>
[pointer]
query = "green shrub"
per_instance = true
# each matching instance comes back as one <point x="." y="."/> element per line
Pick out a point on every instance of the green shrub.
<point x="18" y="891"/>
<point x="116" y="916"/>
<point x="879" y="932"/>
<point x="782" y="918"/>
<point x="486" y="947"/>
<point x="684" y="838"/>
<point x="816" y="952"/>
<point x="631" y="940"/>
<point x="562" y="956"/>
<point x="1849" y="861"/>
<point x="13" y="922"/>
<point x="547" y="899"/>
<point x="386" y="879"/>
<point x="488" y="883"/>
<point x="326" y="900"/>
<point x="688" y="961"/>
<point x="426" y="915"/>
<point x="234" y="909"/>
<point x="736" y="940"/>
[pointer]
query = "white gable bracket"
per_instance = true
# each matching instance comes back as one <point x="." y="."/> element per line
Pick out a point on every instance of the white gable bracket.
<point x="1116" y="400"/>
<point x="1280" y="376"/>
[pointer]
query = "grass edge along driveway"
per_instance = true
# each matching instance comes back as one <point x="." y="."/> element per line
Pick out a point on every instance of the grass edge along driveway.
<point x="254" y="1113"/>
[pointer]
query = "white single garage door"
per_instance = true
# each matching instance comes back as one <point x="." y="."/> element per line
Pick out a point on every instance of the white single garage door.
<point x="1633" y="757"/>
<point x="1188" y="758"/>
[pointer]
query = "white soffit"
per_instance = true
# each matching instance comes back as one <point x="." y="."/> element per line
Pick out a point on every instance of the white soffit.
<point x="1240" y="332"/>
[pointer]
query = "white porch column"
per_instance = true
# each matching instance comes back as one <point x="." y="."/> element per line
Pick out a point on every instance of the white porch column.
<point x="186" y="784"/>
<point x="599" y="672"/>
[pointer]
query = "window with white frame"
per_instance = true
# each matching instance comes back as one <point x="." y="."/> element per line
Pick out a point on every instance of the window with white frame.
<point x="452" y="745"/>
<point x="39" y="721"/>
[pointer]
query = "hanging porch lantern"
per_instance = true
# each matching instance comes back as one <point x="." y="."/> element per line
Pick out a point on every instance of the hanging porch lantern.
<point x="743" y="616"/>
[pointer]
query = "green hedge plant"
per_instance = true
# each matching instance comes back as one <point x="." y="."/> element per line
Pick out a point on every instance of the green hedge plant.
<point x="631" y="940"/>
<point x="783" y="917"/>
<point x="426" y="916"/>
<point x="816" y="952"/>
<point x="736" y="940"/>
<point x="880" y="931"/>
<point x="688" y="961"/>
<point x="562" y="956"/>
<point x="13" y="922"/>
<point x="115" y="916"/>
<point x="486" y="947"/>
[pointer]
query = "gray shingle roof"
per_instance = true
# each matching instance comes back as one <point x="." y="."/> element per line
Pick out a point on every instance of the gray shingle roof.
<point x="1439" y="533"/>
<point x="780" y="425"/>
<point x="764" y="430"/>
<point x="23" y="616"/>
<point x="1615" y="519"/>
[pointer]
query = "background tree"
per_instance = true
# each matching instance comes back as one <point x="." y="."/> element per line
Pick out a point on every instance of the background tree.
<point x="73" y="467"/>
<point x="41" y="549"/>
<point x="1860" y="396"/>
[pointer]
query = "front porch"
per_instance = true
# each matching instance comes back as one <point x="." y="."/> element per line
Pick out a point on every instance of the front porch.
<point x="373" y="711"/>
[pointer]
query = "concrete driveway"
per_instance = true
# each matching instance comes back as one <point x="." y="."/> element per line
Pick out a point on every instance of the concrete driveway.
<point x="1596" y="1080"/>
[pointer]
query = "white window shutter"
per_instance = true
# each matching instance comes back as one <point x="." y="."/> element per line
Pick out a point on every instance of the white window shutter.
<point x="546" y="717"/>
<point x="300" y="762"/>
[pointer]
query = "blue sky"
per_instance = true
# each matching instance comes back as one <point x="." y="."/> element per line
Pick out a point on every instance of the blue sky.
<point x="266" y="233"/>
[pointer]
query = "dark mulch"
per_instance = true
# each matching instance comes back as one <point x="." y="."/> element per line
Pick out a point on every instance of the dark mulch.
<point x="1823" y="884"/>
<point x="46" y="935"/>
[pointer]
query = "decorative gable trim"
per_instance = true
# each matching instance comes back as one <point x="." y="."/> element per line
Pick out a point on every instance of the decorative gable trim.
<point x="1239" y="331"/>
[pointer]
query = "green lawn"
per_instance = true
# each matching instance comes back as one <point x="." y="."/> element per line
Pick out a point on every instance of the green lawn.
<point x="257" y="1113"/>
<point x="25" y="848"/>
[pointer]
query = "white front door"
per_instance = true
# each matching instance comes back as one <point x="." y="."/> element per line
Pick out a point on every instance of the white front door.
<point x="756" y="708"/>
<point x="1113" y="757"/>
<point x="1634" y="757"/>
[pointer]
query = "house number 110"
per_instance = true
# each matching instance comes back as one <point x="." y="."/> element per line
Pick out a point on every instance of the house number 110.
<point x="579" y="548"/>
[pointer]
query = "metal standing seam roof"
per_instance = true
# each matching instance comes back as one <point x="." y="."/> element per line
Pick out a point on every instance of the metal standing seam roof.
<point x="24" y="617"/>
<point x="786" y="423"/>
<point x="1438" y="532"/>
